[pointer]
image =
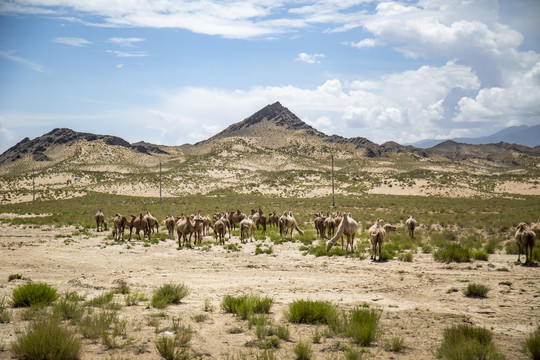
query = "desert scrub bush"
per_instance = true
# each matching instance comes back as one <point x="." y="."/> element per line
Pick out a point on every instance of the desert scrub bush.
<point x="302" y="350"/>
<point x="452" y="253"/>
<point x="480" y="255"/>
<point x="94" y="325"/>
<point x="511" y="248"/>
<point x="362" y="325"/>
<point x="174" y="347"/>
<point x="34" y="294"/>
<point x="463" y="342"/>
<point x="101" y="301"/>
<point x="311" y="312"/>
<point x="47" y="339"/>
<point x="14" y="277"/>
<point x="68" y="307"/>
<point x="5" y="314"/>
<point x="169" y="294"/>
<point x="246" y="305"/>
<point x="405" y="256"/>
<point x="531" y="344"/>
<point x="134" y="298"/>
<point x="267" y="250"/>
<point x="122" y="287"/>
<point x="476" y="290"/>
<point x="396" y="344"/>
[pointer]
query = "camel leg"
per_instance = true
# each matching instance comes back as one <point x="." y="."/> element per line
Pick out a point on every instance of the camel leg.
<point x="519" y="253"/>
<point x="380" y="251"/>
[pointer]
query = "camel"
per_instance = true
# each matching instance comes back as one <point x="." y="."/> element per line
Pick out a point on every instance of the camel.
<point x="411" y="224"/>
<point x="170" y="222"/>
<point x="207" y="224"/>
<point x="259" y="219"/>
<point x="348" y="227"/>
<point x="377" y="235"/>
<point x="152" y="222"/>
<point x="185" y="226"/>
<point x="286" y="222"/>
<point x="273" y="219"/>
<point x="247" y="227"/>
<point x="219" y="230"/>
<point x="235" y="218"/>
<point x="224" y="218"/>
<point x="120" y="222"/>
<point x="330" y="225"/>
<point x="525" y="238"/>
<point x="100" y="218"/>
<point x="139" y="223"/>
<point x="319" y="224"/>
<point x="198" y="222"/>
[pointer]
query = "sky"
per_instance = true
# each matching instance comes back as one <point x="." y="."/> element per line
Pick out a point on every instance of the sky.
<point x="171" y="72"/>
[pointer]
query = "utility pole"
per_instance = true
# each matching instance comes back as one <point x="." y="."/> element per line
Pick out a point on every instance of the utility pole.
<point x="333" y="203"/>
<point x="160" y="183"/>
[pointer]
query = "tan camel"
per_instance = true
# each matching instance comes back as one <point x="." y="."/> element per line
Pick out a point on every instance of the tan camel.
<point x="184" y="227"/>
<point x="139" y="223"/>
<point x="170" y="222"/>
<point x="225" y="219"/>
<point x="120" y="223"/>
<point x="197" y="222"/>
<point x="207" y="224"/>
<point x="330" y="225"/>
<point x="377" y="235"/>
<point x="152" y="222"/>
<point x="259" y="219"/>
<point x="247" y="228"/>
<point x="319" y="224"/>
<point x="286" y="222"/>
<point x="348" y="227"/>
<point x="525" y="238"/>
<point x="220" y="230"/>
<point x="100" y="218"/>
<point x="411" y="224"/>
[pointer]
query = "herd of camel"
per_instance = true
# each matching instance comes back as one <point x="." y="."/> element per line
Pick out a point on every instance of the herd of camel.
<point x="332" y="227"/>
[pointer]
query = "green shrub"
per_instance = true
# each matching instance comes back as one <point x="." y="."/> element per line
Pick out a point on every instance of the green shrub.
<point x="531" y="344"/>
<point x="302" y="350"/>
<point x="463" y="342"/>
<point x="14" y="277"/>
<point x="406" y="256"/>
<point x="362" y="325"/>
<point x="491" y="246"/>
<point x="101" y="300"/>
<point x="452" y="253"/>
<point x="134" y="298"/>
<point x="396" y="344"/>
<point x="47" y="339"/>
<point x="476" y="290"/>
<point x="246" y="305"/>
<point x="480" y="255"/>
<point x="68" y="308"/>
<point x="169" y="294"/>
<point x="511" y="248"/>
<point x="34" y="294"/>
<point x="173" y="347"/>
<point x="312" y="312"/>
<point x="5" y="314"/>
<point x="92" y="326"/>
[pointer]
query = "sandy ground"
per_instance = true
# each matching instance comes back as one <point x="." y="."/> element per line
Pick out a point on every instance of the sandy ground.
<point x="414" y="296"/>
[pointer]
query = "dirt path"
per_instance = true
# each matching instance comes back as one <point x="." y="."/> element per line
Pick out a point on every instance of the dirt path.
<point x="416" y="297"/>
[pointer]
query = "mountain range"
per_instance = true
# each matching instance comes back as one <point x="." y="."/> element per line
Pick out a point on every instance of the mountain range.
<point x="276" y="127"/>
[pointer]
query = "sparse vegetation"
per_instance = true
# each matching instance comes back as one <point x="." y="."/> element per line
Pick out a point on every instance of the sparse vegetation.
<point x="462" y="342"/>
<point x="476" y="290"/>
<point x="302" y="350"/>
<point x="169" y="294"/>
<point x="452" y="253"/>
<point x="531" y="344"/>
<point x="312" y="312"/>
<point x="246" y="305"/>
<point x="34" y="294"/>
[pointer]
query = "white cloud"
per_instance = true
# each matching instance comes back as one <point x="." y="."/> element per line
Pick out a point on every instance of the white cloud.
<point x="309" y="58"/>
<point x="78" y="42"/>
<point x="20" y="60"/>
<point x="366" y="43"/>
<point x="126" y="42"/>
<point x="118" y="53"/>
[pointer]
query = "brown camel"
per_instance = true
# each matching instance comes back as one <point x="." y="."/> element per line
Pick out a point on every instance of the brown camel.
<point x="235" y="218"/>
<point x="100" y="218"/>
<point x="184" y="227"/>
<point x="170" y="222"/>
<point x="525" y="238"/>
<point x="319" y="224"/>
<point x="207" y="224"/>
<point x="273" y="219"/>
<point x="139" y="223"/>
<point x="259" y="219"/>
<point x="348" y="227"/>
<point x="247" y="228"/>
<point x="120" y="223"/>
<point x="411" y="224"/>
<point x="286" y="222"/>
<point x="219" y="230"/>
<point x="377" y="235"/>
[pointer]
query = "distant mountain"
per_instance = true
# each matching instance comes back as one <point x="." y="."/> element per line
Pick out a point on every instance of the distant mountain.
<point x="521" y="135"/>
<point x="38" y="146"/>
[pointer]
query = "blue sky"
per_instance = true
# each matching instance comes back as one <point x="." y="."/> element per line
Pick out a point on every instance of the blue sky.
<point x="175" y="72"/>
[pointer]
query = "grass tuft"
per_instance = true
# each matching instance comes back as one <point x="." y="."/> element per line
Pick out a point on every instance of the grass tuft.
<point x="302" y="350"/>
<point x="246" y="305"/>
<point x="452" y="253"/>
<point x="34" y="294"/>
<point x="312" y="312"/>
<point x="531" y="344"/>
<point x="47" y="339"/>
<point x="362" y="325"/>
<point x="462" y="342"/>
<point x="476" y="290"/>
<point x="169" y="294"/>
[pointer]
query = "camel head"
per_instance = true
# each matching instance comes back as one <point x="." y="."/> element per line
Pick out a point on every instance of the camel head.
<point x="522" y="226"/>
<point x="389" y="227"/>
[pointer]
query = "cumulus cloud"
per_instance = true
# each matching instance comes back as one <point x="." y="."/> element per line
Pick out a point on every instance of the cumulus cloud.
<point x="365" y="43"/>
<point x="309" y="58"/>
<point x="126" y="42"/>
